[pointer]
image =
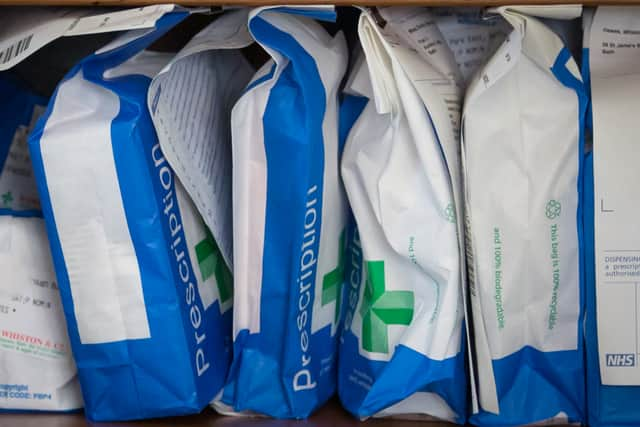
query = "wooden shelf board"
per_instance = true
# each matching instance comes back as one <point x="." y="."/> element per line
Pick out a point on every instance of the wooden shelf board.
<point x="332" y="415"/>
<point x="337" y="2"/>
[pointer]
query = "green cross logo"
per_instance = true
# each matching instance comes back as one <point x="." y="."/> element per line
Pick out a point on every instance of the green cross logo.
<point x="382" y="308"/>
<point x="332" y="281"/>
<point x="211" y="263"/>
<point x="7" y="198"/>
<point x="553" y="209"/>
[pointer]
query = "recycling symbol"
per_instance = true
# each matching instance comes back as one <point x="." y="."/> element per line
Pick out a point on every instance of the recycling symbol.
<point x="553" y="209"/>
<point x="450" y="213"/>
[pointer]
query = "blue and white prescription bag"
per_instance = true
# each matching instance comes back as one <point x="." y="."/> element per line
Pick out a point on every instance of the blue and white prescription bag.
<point x="290" y="215"/>
<point x="135" y="264"/>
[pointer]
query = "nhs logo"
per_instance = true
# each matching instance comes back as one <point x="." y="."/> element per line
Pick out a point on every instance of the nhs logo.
<point x="621" y="359"/>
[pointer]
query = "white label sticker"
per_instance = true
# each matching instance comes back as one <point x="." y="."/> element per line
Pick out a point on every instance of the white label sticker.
<point x="31" y="319"/>
<point x="25" y="31"/>
<point x="88" y="209"/>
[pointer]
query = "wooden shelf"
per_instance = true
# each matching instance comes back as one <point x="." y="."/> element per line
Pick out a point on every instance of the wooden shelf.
<point x="336" y="2"/>
<point x="332" y="415"/>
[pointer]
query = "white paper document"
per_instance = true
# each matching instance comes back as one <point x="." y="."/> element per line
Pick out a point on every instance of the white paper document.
<point x="614" y="55"/>
<point x="23" y="32"/>
<point x="190" y="103"/>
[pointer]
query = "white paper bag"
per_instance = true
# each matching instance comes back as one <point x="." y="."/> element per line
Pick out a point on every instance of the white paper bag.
<point x="522" y="148"/>
<point x="401" y="168"/>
